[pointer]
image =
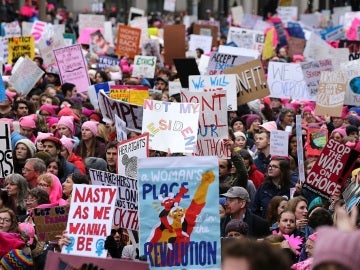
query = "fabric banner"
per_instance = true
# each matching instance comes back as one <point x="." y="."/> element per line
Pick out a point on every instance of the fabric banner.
<point x="178" y="210"/>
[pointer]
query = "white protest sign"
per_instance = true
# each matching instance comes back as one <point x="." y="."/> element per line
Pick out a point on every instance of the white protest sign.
<point x="286" y="80"/>
<point x="246" y="38"/>
<point x="6" y="163"/>
<point x="220" y="61"/>
<point x="37" y="30"/>
<point x="316" y="48"/>
<point x="287" y="13"/>
<point x="203" y="64"/>
<point x="202" y="42"/>
<point x="135" y="12"/>
<point x="169" y="5"/>
<point x="237" y="13"/>
<point x="128" y="153"/>
<point x="352" y="93"/>
<point x="91" y="21"/>
<point x="174" y="87"/>
<point x="250" y="53"/>
<point x="279" y="143"/>
<point x="126" y="204"/>
<point x="12" y="29"/>
<point x="120" y="126"/>
<point x="172" y="126"/>
<point x="90" y="220"/>
<point x="144" y="66"/>
<point x="52" y="40"/>
<point x="141" y="23"/>
<point x="211" y="83"/>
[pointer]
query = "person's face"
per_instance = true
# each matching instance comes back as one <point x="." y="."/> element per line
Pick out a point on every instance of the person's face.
<point x="309" y="245"/>
<point x="28" y="171"/>
<point x="231" y="263"/>
<point x="44" y="185"/>
<point x="273" y="169"/>
<point x="275" y="103"/>
<point x="256" y="124"/>
<point x="234" y="234"/>
<point x="308" y="117"/>
<point x="64" y="131"/>
<point x="86" y="134"/>
<point x="12" y="188"/>
<point x="73" y="91"/>
<point x="337" y="137"/>
<point x="50" y="147"/>
<point x="48" y="101"/>
<point x="5" y="222"/>
<point x="53" y="168"/>
<point x="338" y="122"/>
<point x="287" y="223"/>
<point x="31" y="202"/>
<point x="301" y="211"/>
<point x="164" y="97"/>
<point x="354" y="134"/>
<point x="234" y="205"/>
<point x="262" y="141"/>
<point x="281" y="207"/>
<point x="22" y="110"/>
<point x="221" y="211"/>
<point x="160" y="85"/>
<point x="111" y="157"/>
<point x="240" y="141"/>
<point x="64" y="152"/>
<point x="27" y="132"/>
<point x="51" y="92"/>
<point x="98" y="78"/>
<point x="288" y="119"/>
<point x="282" y="52"/>
<point x="223" y="168"/>
<point x="238" y="126"/>
<point x="21" y="151"/>
<point x="35" y="99"/>
<point x="293" y="143"/>
<point x="68" y="186"/>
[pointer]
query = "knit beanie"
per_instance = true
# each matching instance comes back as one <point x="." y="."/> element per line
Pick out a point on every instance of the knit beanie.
<point x="353" y="120"/>
<point x="16" y="259"/>
<point x="236" y="119"/>
<point x="92" y="126"/>
<point x="67" y="111"/>
<point x="68" y="143"/>
<point x="41" y="136"/>
<point x="51" y="121"/>
<point x="51" y="109"/>
<point x="95" y="163"/>
<point x="340" y="130"/>
<point x="237" y="225"/>
<point x="334" y="246"/>
<point x="28" y="121"/>
<point x="239" y="134"/>
<point x="250" y="118"/>
<point x="29" y="145"/>
<point x="67" y="121"/>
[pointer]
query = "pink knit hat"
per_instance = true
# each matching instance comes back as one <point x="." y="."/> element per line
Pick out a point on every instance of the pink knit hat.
<point x="68" y="143"/>
<point x="67" y="121"/>
<point x="51" y="109"/>
<point x="67" y="111"/>
<point x="92" y="126"/>
<point x="10" y="95"/>
<point x="341" y="131"/>
<point x="28" y="121"/>
<point x="51" y="120"/>
<point x="269" y="126"/>
<point x="42" y="136"/>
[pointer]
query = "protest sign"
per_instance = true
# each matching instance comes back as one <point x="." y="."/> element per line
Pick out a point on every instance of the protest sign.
<point x="178" y="210"/>
<point x="90" y="220"/>
<point x="94" y="90"/>
<point x="286" y="80"/>
<point x="207" y="30"/>
<point x="330" y="171"/>
<point x="126" y="203"/>
<point x="4" y="51"/>
<point x="251" y="81"/>
<point x="174" y="42"/>
<point x="2" y="89"/>
<point x="296" y="46"/>
<point x="202" y="42"/>
<point x="203" y="64"/>
<point x="333" y="33"/>
<point x="6" y="163"/>
<point x="51" y="40"/>
<point x="316" y="48"/>
<point x="174" y="87"/>
<point x="315" y="141"/>
<point x="312" y="70"/>
<point x="107" y="61"/>
<point x="212" y="122"/>
<point x="220" y="61"/>
<point x="311" y="20"/>
<point x="211" y="83"/>
<point x="135" y="12"/>
<point x="172" y="127"/>
<point x="20" y="46"/>
<point x="25" y="76"/>
<point x="85" y="36"/>
<point x="72" y="67"/>
<point x="120" y="126"/>
<point x="12" y="29"/>
<point x="353" y="46"/>
<point x="50" y="221"/>
<point x="279" y="143"/>
<point x="249" y="20"/>
<point x="69" y="39"/>
<point x="134" y="94"/>
<point x="352" y="93"/>
<point x="91" y="21"/>
<point x="151" y="47"/>
<point x="37" y="30"/>
<point x="141" y="23"/>
<point x="331" y="93"/>
<point x="130" y="113"/>
<point x="237" y="14"/>
<point x="129" y="151"/>
<point x="250" y="53"/>
<point x="169" y="5"/>
<point x="144" y="66"/>
<point x="300" y="148"/>
<point x="128" y="41"/>
<point x="246" y="38"/>
<point x="287" y="13"/>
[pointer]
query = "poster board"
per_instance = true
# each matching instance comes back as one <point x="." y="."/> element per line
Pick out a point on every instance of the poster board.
<point x="128" y="41"/>
<point x="6" y="151"/>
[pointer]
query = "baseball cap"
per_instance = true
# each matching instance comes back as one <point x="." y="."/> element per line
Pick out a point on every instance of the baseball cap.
<point x="237" y="192"/>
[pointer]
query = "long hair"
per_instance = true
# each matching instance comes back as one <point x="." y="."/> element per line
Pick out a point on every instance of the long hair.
<point x="92" y="151"/>
<point x="272" y="211"/>
<point x="284" y="173"/>
<point x="14" y="228"/>
<point x="292" y="204"/>
<point x="23" y="188"/>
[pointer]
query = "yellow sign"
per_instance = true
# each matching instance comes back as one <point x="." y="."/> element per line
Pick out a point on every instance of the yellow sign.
<point x="21" y="46"/>
<point x="134" y="94"/>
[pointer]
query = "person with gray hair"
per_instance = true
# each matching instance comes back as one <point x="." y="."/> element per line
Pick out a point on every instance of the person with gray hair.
<point x="286" y="119"/>
<point x="32" y="169"/>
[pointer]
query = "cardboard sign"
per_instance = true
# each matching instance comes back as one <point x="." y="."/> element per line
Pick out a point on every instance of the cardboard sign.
<point x="211" y="83"/>
<point x="129" y="151"/>
<point x="90" y="219"/>
<point x="20" y="46"/>
<point x="251" y="81"/>
<point x="6" y="163"/>
<point x="25" y="76"/>
<point x="50" y="222"/>
<point x="126" y="202"/>
<point x="72" y="67"/>
<point x="130" y="113"/>
<point x="279" y="143"/>
<point x="331" y="169"/>
<point x="178" y="199"/>
<point x="331" y="93"/>
<point x="245" y="38"/>
<point x="12" y="29"/>
<point x="286" y="80"/>
<point x="91" y="21"/>
<point x="206" y="30"/>
<point x="37" y="30"/>
<point x="128" y="41"/>
<point x="202" y="42"/>
<point x="173" y="127"/>
<point x="174" y="42"/>
<point x="134" y="94"/>
<point x="144" y="66"/>
<point x="212" y="122"/>
<point x="296" y="46"/>
<point x="220" y="61"/>
<point x="312" y="70"/>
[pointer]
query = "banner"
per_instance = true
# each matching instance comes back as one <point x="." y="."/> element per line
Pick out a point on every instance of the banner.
<point x="134" y="94"/>
<point x="129" y="151"/>
<point x="90" y="220"/>
<point x="172" y="126"/>
<point x="251" y="81"/>
<point x="128" y="41"/>
<point x="131" y="114"/>
<point x="144" y="66"/>
<point x="219" y="62"/>
<point x="331" y="93"/>
<point x="212" y="122"/>
<point x="279" y="143"/>
<point x="246" y="38"/>
<point x="20" y="46"/>
<point x="126" y="203"/>
<point x="178" y="210"/>
<point x="331" y="169"/>
<point x="6" y="163"/>
<point x="50" y="222"/>
<point x="72" y="67"/>
<point x="213" y="83"/>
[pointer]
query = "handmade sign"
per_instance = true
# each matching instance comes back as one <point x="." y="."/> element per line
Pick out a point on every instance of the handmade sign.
<point x="220" y="61"/>
<point x="94" y="89"/>
<point x="20" y="46"/>
<point x="12" y="29"/>
<point x="316" y="139"/>
<point x="51" y="40"/>
<point x="279" y="143"/>
<point x="120" y="126"/>
<point x="199" y="41"/>
<point x="106" y="61"/>
<point x="144" y="66"/>
<point x="178" y="212"/>
<point x="91" y="21"/>
<point x="128" y="41"/>
<point x="6" y="163"/>
<point x="287" y="13"/>
<point x="134" y="94"/>
<point x="206" y="30"/>
<point x="90" y="219"/>
<point x="353" y="46"/>
<point x="246" y="38"/>
<point x="37" y="30"/>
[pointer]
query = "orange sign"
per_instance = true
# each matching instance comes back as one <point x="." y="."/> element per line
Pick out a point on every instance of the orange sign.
<point x="128" y="40"/>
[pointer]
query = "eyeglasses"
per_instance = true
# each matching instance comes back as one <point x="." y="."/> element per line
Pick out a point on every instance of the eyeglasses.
<point x="5" y="220"/>
<point x="29" y="201"/>
<point x="43" y="185"/>
<point x="113" y="231"/>
<point x="271" y="166"/>
<point x="26" y="170"/>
